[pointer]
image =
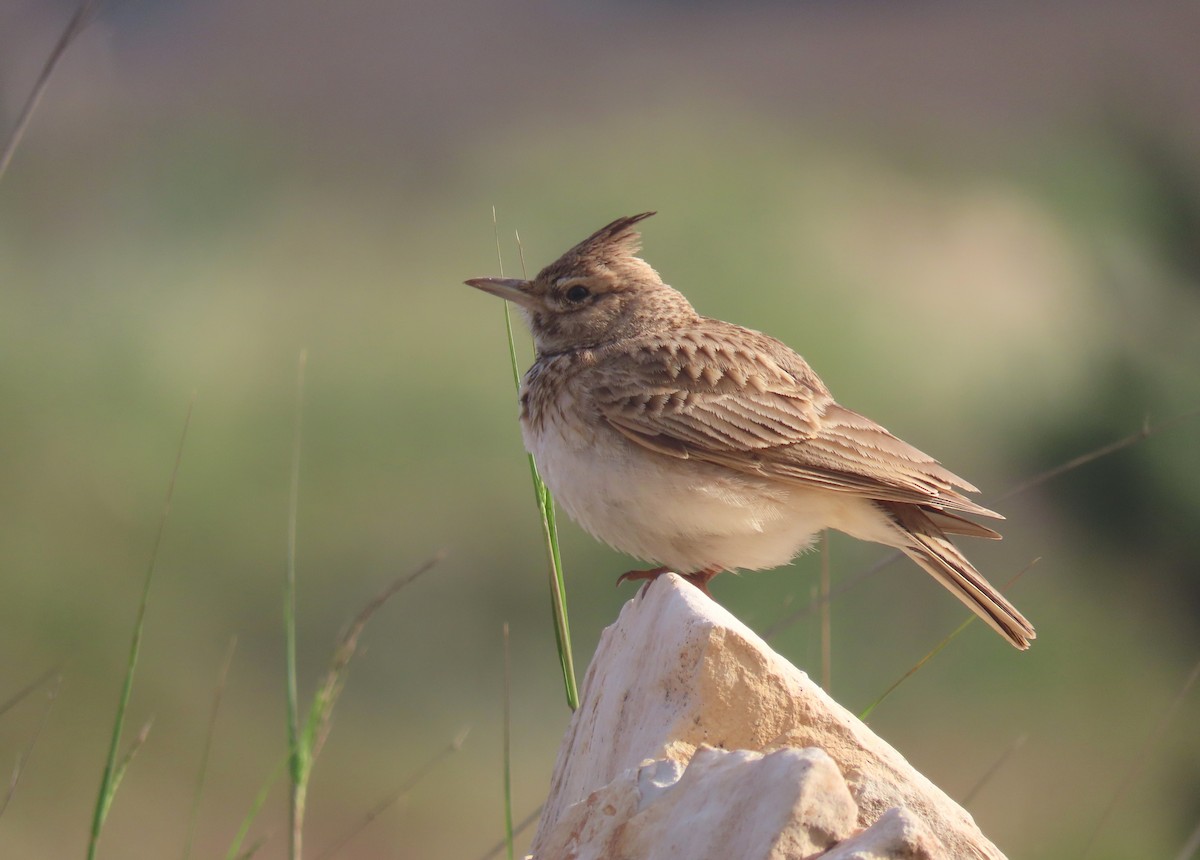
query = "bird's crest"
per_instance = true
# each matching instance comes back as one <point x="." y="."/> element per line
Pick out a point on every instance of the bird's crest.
<point x="613" y="247"/>
<point x="617" y="237"/>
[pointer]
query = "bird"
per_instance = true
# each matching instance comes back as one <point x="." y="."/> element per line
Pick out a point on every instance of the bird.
<point x="700" y="446"/>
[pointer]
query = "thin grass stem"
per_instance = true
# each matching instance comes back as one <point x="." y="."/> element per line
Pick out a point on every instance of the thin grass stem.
<point x="17" y="697"/>
<point x="545" y="504"/>
<point x="521" y="827"/>
<point x="988" y="774"/>
<point x="84" y="15"/>
<point x="936" y="648"/>
<point x="23" y="758"/>
<point x="331" y="850"/>
<point x="298" y="753"/>
<point x="218" y="692"/>
<point x="1141" y="756"/>
<point x="1189" y="849"/>
<point x="1145" y="432"/>
<point x="1074" y="463"/>
<point x="254" y="848"/>
<point x="108" y="780"/>
<point x="139" y="741"/>
<point x="235" y="848"/>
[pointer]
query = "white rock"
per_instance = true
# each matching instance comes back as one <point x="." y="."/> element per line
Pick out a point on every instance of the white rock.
<point x="677" y="672"/>
<point x="788" y="803"/>
<point x="897" y="835"/>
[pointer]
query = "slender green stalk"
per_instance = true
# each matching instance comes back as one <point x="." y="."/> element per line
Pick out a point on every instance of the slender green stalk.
<point x="545" y="504"/>
<point x="953" y="635"/>
<point x="113" y="771"/>
<point x="298" y="758"/>
<point x="929" y="656"/>
<point x="138" y="741"/>
<point x="235" y="849"/>
<point x="508" y="813"/>
<point x="254" y="848"/>
<point x="312" y="735"/>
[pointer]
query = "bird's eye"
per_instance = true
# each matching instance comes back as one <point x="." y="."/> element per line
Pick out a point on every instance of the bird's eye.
<point x="578" y="293"/>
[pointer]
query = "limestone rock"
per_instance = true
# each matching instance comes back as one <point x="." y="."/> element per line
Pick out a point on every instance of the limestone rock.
<point x="785" y="804"/>
<point x="897" y="835"/>
<point x="677" y="673"/>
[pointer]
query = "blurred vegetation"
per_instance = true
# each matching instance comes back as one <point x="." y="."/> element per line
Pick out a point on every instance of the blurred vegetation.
<point x="1004" y="307"/>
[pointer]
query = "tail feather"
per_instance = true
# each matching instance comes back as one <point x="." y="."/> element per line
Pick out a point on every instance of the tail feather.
<point x="926" y="544"/>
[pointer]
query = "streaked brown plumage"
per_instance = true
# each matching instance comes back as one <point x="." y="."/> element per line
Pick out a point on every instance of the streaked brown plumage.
<point x="704" y="446"/>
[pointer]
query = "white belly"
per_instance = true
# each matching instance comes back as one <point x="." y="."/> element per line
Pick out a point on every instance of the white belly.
<point x="685" y="514"/>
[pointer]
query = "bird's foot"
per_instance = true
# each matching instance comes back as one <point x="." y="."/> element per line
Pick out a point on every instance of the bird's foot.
<point x="699" y="579"/>
<point x="648" y="575"/>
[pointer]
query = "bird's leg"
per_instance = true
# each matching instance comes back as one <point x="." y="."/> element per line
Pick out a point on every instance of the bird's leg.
<point x="648" y="575"/>
<point x="700" y="578"/>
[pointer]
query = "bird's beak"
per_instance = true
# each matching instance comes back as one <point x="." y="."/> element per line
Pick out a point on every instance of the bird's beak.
<point x="510" y="289"/>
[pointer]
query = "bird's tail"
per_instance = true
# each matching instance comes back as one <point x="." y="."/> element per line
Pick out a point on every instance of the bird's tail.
<point x="926" y="544"/>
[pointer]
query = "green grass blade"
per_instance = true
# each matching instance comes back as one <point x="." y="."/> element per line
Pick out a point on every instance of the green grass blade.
<point x="127" y="759"/>
<point x="235" y="848"/>
<point x="298" y="752"/>
<point x="545" y="504"/>
<point x="558" y="588"/>
<point x="936" y="648"/>
<point x="110" y="777"/>
<point x="953" y="635"/>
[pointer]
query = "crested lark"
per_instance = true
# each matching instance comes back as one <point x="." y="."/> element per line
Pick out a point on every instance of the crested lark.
<point x="704" y="446"/>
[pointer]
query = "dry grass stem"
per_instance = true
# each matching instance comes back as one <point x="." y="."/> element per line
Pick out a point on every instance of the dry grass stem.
<point x="521" y="827"/>
<point x="1008" y="753"/>
<point x="85" y="13"/>
<point x="19" y="696"/>
<point x="406" y="787"/>
<point x="1074" y="463"/>
<point x="218" y="692"/>
<point x="1141" y="756"/>
<point x="936" y="648"/>
<point x="23" y="758"/>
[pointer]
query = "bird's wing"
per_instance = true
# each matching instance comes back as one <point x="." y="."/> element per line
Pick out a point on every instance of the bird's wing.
<point x="745" y="401"/>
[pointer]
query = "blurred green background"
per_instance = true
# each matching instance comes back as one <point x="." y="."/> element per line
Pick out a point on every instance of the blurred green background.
<point x="980" y="224"/>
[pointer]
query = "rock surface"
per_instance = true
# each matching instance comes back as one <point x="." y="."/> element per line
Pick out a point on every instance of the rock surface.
<point x="694" y="739"/>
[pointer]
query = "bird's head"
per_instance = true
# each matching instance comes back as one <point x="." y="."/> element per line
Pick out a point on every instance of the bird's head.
<point x="598" y="292"/>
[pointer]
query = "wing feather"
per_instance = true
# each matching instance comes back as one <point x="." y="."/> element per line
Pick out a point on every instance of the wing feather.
<point x="743" y="400"/>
